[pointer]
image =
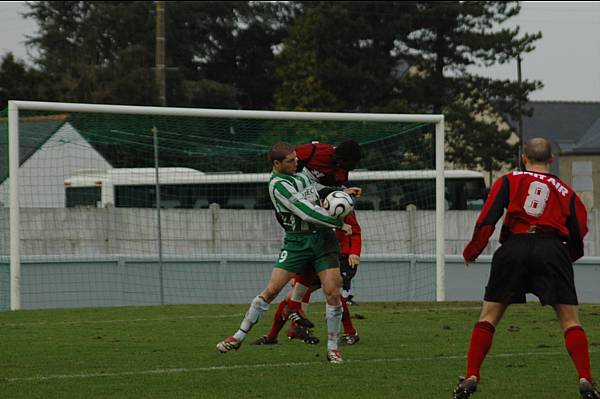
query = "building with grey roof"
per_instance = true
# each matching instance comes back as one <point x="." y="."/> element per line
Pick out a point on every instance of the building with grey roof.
<point x="573" y="128"/>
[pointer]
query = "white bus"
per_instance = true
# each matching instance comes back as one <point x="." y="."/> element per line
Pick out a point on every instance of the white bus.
<point x="189" y="188"/>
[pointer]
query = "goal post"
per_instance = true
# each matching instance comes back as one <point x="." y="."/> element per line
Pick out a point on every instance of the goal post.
<point x="15" y="230"/>
<point x="16" y="108"/>
<point x="440" y="236"/>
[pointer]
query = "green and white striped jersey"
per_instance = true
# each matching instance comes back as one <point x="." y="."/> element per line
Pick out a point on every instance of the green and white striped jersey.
<point x="296" y="201"/>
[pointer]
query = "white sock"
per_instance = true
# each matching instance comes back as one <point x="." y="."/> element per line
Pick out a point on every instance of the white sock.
<point x="333" y="316"/>
<point x="256" y="310"/>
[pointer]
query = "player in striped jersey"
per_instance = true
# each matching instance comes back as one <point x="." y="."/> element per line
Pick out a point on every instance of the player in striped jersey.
<point x="542" y="235"/>
<point x="330" y="166"/>
<point x="303" y="285"/>
<point x="309" y="240"/>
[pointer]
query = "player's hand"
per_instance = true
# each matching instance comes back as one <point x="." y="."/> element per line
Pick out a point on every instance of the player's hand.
<point x="356" y="191"/>
<point x="353" y="260"/>
<point x="347" y="229"/>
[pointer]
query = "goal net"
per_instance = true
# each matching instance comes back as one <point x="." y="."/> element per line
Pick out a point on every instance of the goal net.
<point x="117" y="205"/>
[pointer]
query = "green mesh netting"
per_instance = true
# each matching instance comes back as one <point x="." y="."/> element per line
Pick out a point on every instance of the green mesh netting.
<point x="61" y="218"/>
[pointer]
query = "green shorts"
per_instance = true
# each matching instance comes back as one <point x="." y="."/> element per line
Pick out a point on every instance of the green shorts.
<point x="301" y="250"/>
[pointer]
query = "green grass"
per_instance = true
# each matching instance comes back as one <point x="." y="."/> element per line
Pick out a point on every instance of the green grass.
<point x="407" y="350"/>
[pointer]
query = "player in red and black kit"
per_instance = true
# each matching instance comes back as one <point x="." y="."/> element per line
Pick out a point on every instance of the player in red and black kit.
<point x="330" y="165"/>
<point x="542" y="235"/>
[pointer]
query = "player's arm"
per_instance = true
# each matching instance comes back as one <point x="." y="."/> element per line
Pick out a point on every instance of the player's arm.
<point x="355" y="240"/>
<point x="577" y="225"/>
<point x="288" y="197"/>
<point x="493" y="209"/>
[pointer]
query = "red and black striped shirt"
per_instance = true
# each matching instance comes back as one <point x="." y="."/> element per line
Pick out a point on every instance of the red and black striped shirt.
<point x="534" y="202"/>
<point x="319" y="159"/>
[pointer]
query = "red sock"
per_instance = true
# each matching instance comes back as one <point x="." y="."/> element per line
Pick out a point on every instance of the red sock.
<point x="577" y="346"/>
<point x="346" y="319"/>
<point x="306" y="297"/>
<point x="278" y="320"/>
<point x="293" y="305"/>
<point x="481" y="342"/>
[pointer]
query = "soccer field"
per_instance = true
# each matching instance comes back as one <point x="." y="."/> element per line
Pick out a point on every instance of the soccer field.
<point x="407" y="350"/>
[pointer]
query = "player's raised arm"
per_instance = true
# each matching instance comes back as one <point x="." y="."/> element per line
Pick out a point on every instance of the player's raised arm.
<point x="288" y="197"/>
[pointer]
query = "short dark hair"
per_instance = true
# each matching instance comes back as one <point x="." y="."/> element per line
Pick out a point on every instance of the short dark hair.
<point x="348" y="151"/>
<point x="279" y="151"/>
<point x="538" y="150"/>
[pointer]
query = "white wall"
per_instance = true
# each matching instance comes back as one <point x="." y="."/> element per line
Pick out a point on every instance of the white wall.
<point x="108" y="231"/>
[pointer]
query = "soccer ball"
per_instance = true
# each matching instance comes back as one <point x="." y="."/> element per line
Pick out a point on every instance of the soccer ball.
<point x="338" y="204"/>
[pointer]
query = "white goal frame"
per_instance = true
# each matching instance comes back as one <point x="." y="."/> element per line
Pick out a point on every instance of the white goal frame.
<point x="13" y="138"/>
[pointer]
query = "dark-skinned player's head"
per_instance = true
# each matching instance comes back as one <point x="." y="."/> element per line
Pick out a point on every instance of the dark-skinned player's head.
<point x="347" y="154"/>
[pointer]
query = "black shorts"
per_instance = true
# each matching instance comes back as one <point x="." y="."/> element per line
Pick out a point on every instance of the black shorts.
<point x="347" y="272"/>
<point x="532" y="263"/>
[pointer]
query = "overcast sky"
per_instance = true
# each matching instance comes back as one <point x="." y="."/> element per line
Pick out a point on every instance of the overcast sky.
<point x="566" y="60"/>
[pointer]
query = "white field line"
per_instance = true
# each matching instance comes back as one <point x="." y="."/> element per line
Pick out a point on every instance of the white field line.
<point x="224" y="316"/>
<point x="38" y="323"/>
<point x="264" y="366"/>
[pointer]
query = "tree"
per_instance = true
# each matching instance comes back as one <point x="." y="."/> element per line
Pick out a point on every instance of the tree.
<point x="241" y="51"/>
<point x="95" y="51"/>
<point x="340" y="56"/>
<point x="447" y="39"/>
<point x="17" y="80"/>
<point x="347" y="56"/>
<point x="484" y="145"/>
<point x="318" y="56"/>
<point x="104" y="51"/>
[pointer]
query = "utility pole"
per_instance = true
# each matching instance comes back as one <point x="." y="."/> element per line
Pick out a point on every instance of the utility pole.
<point x="520" y="115"/>
<point x="160" y="54"/>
